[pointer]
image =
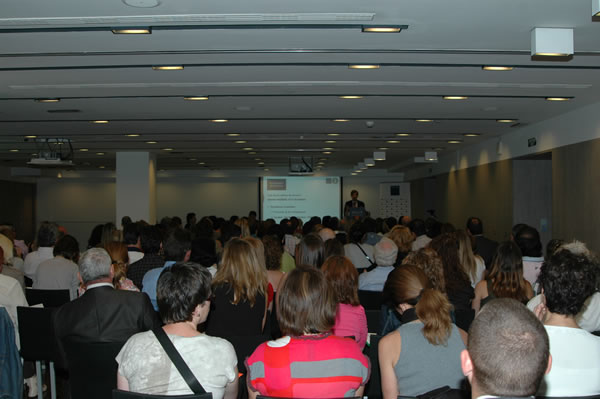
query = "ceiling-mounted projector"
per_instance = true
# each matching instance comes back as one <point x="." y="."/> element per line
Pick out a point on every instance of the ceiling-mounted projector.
<point x="52" y="153"/>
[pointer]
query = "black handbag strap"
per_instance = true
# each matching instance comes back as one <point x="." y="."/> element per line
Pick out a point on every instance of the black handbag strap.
<point x="373" y="264"/>
<point x="178" y="361"/>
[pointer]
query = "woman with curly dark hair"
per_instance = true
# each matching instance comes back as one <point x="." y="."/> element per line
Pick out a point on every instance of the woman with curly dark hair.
<point x="458" y="284"/>
<point x="567" y="279"/>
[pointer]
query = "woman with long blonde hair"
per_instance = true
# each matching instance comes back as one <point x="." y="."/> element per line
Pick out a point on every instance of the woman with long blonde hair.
<point x="472" y="264"/>
<point x="240" y="292"/>
<point x="424" y="352"/>
<point x="403" y="238"/>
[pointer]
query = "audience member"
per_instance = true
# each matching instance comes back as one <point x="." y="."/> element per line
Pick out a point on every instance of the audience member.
<point x="176" y="249"/>
<point x="273" y="254"/>
<point x="403" y="238"/>
<point x="385" y="253"/>
<point x="326" y="234"/>
<point x="101" y="314"/>
<point x="507" y="352"/>
<point x="183" y="295"/>
<point x="361" y="255"/>
<point x="404" y="220"/>
<point x="60" y="272"/>
<point x="567" y="279"/>
<point x="21" y="250"/>
<point x="428" y="260"/>
<point x="426" y="341"/>
<point x="47" y="236"/>
<point x="369" y="230"/>
<point x="334" y="247"/>
<point x="204" y="252"/>
<point x="95" y="236"/>
<point x="8" y="270"/>
<point x="190" y="221"/>
<point x="240" y="292"/>
<point x="350" y="319"/>
<point x="310" y="251"/>
<point x="131" y="237"/>
<point x="472" y="264"/>
<point x="151" y="244"/>
<point x="109" y="234"/>
<point x="244" y="226"/>
<point x="120" y="260"/>
<point x="11" y="296"/>
<point x="505" y="279"/>
<point x="528" y="240"/>
<point x="484" y="247"/>
<point x="417" y="226"/>
<point x="552" y="246"/>
<point x="307" y="362"/>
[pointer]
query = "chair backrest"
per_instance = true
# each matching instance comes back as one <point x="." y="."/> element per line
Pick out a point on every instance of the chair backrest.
<point x="373" y="388"/>
<point x="244" y="346"/>
<point x="92" y="368"/>
<point x="36" y="333"/>
<point x="370" y="299"/>
<point x="373" y="317"/>
<point x="118" y="394"/>
<point x="48" y="298"/>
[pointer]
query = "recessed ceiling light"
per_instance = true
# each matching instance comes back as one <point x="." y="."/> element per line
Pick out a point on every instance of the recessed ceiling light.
<point x="353" y="173"/>
<point x="438" y="148"/>
<point x="261" y="163"/>
<point x="330" y="141"/>
<point x="383" y="148"/>
<point x="351" y="97"/>
<point x="363" y="66"/>
<point x="168" y="67"/>
<point x="381" y="29"/>
<point x="552" y="54"/>
<point x="101" y="167"/>
<point x="247" y="149"/>
<point x="219" y="120"/>
<point x="424" y="120"/>
<point x="471" y="134"/>
<point x="454" y="141"/>
<point x="241" y="142"/>
<point x="132" y="31"/>
<point x="326" y="152"/>
<point x="341" y="120"/>
<point x="358" y="171"/>
<point x="455" y="97"/>
<point x="14" y="150"/>
<point x="333" y="134"/>
<point x="232" y="134"/>
<point x="403" y="134"/>
<point x="192" y="159"/>
<point x="328" y="149"/>
<point x="201" y="163"/>
<point x="496" y="68"/>
<point x="83" y="149"/>
<point x="151" y="142"/>
<point x="47" y="100"/>
<point x="506" y="120"/>
<point x="252" y="153"/>
<point x="99" y="121"/>
<point x="132" y="135"/>
<point x="99" y="153"/>
<point x="258" y="159"/>
<point x="197" y="98"/>
<point x="30" y="137"/>
<point x="393" y="141"/>
<point x="266" y="169"/>
<point x="167" y="149"/>
<point x="558" y="98"/>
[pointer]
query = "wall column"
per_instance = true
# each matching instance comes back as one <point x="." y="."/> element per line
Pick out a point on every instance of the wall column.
<point x="136" y="186"/>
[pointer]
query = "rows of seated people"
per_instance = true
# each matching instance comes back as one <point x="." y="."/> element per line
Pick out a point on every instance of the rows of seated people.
<point x="453" y="305"/>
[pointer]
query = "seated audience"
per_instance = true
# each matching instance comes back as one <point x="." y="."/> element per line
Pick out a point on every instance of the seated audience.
<point x="426" y="341"/>
<point x="204" y="252"/>
<point x="458" y="284"/>
<point x="120" y="260"/>
<point x="183" y="295"/>
<point x="9" y="260"/>
<point x="60" y="272"/>
<point x="273" y="254"/>
<point x="567" y="279"/>
<point x="507" y="352"/>
<point x="240" y="292"/>
<point x="47" y="236"/>
<point x="334" y="247"/>
<point x="359" y="253"/>
<point x="472" y="264"/>
<point x="151" y="244"/>
<point x="310" y="251"/>
<point x="403" y="238"/>
<point x="385" y="257"/>
<point x="505" y="279"/>
<point x="307" y="362"/>
<point x="131" y="237"/>
<point x="484" y="247"/>
<point x="528" y="240"/>
<point x="418" y="228"/>
<point x="11" y="296"/>
<point x="350" y="319"/>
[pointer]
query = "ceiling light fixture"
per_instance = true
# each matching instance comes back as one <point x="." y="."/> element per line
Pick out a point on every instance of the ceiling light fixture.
<point x="83" y="149"/>
<point x="99" y="121"/>
<point x="383" y="148"/>
<point x="363" y="66"/>
<point x="132" y="31"/>
<point x="219" y="120"/>
<point x="167" y="149"/>
<point x="382" y="29"/>
<point x="549" y="43"/>
<point x="369" y="162"/>
<point x="247" y="149"/>
<point x="151" y="142"/>
<point x="341" y="120"/>
<point x="353" y="173"/>
<point x="14" y="150"/>
<point x="252" y="153"/>
<point x="47" y="100"/>
<point x="30" y="137"/>
<point x="454" y="141"/>
<point x="330" y="141"/>
<point x="424" y="120"/>
<point x="558" y="98"/>
<point x="506" y="120"/>
<point x="328" y="149"/>
<point x="241" y="142"/>
<point x="403" y="134"/>
<point x="200" y="98"/>
<point x="392" y="141"/>
<point x="99" y="153"/>
<point x="471" y="134"/>
<point x="327" y="152"/>
<point x="379" y="155"/>
<point x="232" y="134"/>
<point x="168" y="67"/>
<point x="101" y="167"/>
<point x="201" y="163"/>
<point x="496" y="68"/>
<point x="333" y="134"/>
<point x="132" y="135"/>
<point x="455" y="97"/>
<point x="351" y="97"/>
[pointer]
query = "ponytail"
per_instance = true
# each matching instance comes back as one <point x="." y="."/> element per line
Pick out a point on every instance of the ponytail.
<point x="433" y="309"/>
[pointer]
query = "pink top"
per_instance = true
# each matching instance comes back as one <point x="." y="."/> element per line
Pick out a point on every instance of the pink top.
<point x="351" y="321"/>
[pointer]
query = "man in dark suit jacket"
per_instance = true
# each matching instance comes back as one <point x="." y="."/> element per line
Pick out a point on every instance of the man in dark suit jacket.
<point x="353" y="203"/>
<point x="484" y="247"/>
<point x="102" y="313"/>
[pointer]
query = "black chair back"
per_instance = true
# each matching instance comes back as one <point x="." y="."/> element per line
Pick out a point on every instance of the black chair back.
<point x="36" y="333"/>
<point x="373" y="388"/>
<point x="373" y="320"/>
<point x="48" y="298"/>
<point x="118" y="394"/>
<point x="92" y="368"/>
<point x="277" y="397"/>
<point x="244" y="346"/>
<point x="370" y="299"/>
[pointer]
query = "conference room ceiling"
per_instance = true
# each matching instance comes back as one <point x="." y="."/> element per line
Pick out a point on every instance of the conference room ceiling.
<point x="276" y="71"/>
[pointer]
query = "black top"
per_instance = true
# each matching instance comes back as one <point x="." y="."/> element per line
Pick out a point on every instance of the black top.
<point x="226" y="319"/>
<point x="137" y="270"/>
